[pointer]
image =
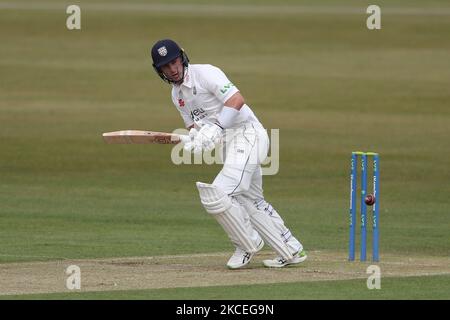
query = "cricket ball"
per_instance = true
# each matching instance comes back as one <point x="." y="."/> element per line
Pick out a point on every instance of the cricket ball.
<point x="369" y="200"/>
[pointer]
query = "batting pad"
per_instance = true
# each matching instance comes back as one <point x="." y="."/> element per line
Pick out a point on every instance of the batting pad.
<point x="228" y="214"/>
<point x="266" y="228"/>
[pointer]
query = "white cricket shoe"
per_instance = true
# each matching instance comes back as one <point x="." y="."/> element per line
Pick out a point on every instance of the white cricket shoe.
<point x="241" y="258"/>
<point x="280" y="262"/>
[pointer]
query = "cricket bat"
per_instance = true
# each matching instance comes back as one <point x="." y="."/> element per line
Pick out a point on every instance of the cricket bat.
<point x="141" y="137"/>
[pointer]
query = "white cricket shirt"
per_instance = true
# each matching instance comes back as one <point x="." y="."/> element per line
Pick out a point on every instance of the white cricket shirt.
<point x="202" y="95"/>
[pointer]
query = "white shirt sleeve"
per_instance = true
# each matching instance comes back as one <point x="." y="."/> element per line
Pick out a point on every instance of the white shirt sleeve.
<point x="184" y="113"/>
<point x="217" y="83"/>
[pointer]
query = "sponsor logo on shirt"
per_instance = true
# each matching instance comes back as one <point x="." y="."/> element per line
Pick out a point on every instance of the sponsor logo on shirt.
<point x="181" y="102"/>
<point x="226" y="87"/>
<point x="198" y="114"/>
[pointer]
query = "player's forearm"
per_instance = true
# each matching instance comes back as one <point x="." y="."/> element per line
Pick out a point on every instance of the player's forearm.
<point x="230" y="111"/>
<point x="236" y="101"/>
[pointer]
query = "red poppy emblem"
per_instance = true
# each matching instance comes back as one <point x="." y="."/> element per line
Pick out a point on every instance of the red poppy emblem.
<point x="181" y="102"/>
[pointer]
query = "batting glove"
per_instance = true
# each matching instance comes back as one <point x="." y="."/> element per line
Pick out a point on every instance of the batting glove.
<point x="189" y="140"/>
<point x="207" y="138"/>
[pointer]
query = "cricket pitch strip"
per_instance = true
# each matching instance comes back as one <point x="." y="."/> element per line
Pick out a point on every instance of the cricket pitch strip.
<point x="202" y="270"/>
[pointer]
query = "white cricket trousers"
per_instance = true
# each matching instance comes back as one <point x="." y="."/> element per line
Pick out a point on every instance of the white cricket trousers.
<point x="244" y="149"/>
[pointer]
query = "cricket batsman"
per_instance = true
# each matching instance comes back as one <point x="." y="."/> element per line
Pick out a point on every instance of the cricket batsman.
<point x="215" y="112"/>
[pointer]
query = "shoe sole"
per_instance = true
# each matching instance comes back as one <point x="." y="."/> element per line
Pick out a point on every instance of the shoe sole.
<point x="260" y="246"/>
<point x="268" y="264"/>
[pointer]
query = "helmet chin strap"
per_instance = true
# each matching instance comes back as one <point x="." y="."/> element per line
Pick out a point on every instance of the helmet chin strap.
<point x="185" y="71"/>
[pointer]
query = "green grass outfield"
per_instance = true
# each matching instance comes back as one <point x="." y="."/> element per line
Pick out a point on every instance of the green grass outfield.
<point x="330" y="85"/>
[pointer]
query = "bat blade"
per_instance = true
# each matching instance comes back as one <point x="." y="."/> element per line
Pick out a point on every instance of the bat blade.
<point x="140" y="137"/>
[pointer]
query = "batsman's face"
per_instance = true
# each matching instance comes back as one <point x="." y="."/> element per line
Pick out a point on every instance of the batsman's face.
<point x="173" y="70"/>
